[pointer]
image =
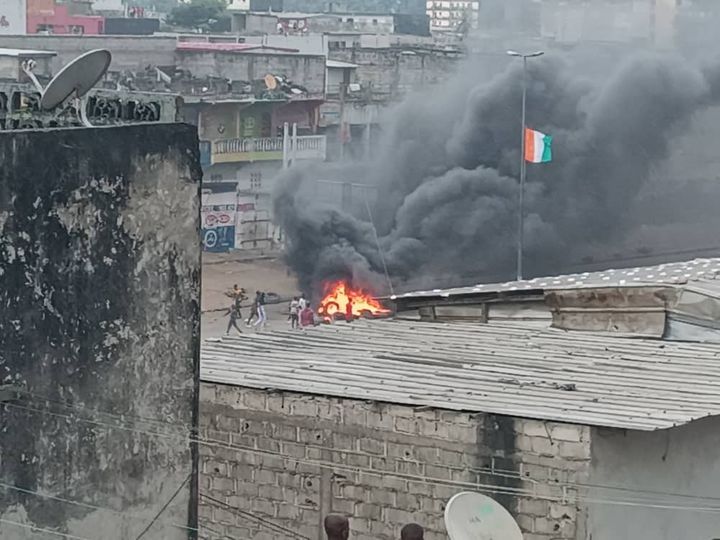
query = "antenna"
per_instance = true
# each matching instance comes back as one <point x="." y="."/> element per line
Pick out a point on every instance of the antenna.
<point x="73" y="82"/>
<point x="472" y="516"/>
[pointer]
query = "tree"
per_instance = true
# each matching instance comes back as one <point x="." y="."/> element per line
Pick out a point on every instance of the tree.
<point x="199" y="14"/>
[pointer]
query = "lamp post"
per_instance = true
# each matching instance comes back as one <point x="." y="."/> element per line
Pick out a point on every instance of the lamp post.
<point x="523" y="169"/>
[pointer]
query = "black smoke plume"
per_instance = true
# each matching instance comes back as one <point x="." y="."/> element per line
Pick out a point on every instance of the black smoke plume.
<point x="447" y="180"/>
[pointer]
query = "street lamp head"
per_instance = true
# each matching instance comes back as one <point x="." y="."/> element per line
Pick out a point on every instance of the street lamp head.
<point x="521" y="55"/>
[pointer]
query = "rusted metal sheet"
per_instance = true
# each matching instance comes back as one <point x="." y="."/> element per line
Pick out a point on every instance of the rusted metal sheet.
<point x="624" y="310"/>
<point x="515" y="369"/>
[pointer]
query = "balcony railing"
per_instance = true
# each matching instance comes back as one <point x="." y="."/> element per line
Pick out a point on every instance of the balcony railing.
<point x="267" y="149"/>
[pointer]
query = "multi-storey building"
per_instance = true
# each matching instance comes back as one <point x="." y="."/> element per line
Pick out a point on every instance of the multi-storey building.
<point x="453" y="14"/>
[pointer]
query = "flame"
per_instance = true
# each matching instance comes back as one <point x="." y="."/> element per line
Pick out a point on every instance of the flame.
<point x="337" y="296"/>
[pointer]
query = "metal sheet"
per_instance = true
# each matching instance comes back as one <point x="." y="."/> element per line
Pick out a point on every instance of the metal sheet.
<point x="700" y="272"/>
<point x="512" y="369"/>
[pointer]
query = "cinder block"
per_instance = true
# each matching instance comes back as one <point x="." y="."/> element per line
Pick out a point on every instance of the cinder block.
<point x="406" y="425"/>
<point x="380" y="420"/>
<point x="372" y="446"/>
<point x="270" y="492"/>
<point x="526" y="523"/>
<point x="543" y="446"/>
<point x="264" y="507"/>
<point x="534" y="428"/>
<point x="304" y="407"/>
<point x="287" y="511"/>
<point x="533" y="507"/>
<point x="566" y="432"/>
<point x="253" y="400"/>
<point x="407" y="501"/>
<point x="438" y="471"/>
<point x="225" y="486"/>
<point x="395" y="515"/>
<point x="369" y="511"/>
<point x="576" y="451"/>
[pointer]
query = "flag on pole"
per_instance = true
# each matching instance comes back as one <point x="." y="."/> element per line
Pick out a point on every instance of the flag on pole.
<point x="538" y="147"/>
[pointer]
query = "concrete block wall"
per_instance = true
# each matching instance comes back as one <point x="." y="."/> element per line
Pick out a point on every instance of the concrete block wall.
<point x="553" y="459"/>
<point x="285" y="460"/>
<point x="387" y="464"/>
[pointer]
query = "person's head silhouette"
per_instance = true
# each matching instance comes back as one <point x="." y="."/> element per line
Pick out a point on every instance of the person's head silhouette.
<point x="412" y="531"/>
<point x="337" y="527"/>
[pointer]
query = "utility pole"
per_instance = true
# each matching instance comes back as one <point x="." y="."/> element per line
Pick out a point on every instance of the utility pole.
<point x="285" y="144"/>
<point x="342" y="121"/>
<point x="523" y="164"/>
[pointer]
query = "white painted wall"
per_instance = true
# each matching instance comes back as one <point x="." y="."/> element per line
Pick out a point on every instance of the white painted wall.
<point x="652" y="467"/>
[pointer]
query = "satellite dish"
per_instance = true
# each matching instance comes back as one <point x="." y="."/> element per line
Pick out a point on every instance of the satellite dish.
<point x="270" y="82"/>
<point x="472" y="516"/>
<point x="76" y="79"/>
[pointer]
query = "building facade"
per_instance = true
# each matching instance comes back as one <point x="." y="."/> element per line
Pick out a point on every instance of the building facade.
<point x="453" y="14"/>
<point x="100" y="260"/>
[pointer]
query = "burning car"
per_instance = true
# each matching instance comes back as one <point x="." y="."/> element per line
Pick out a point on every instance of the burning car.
<point x="343" y="301"/>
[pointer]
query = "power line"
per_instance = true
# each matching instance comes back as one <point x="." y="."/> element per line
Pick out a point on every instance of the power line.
<point x="423" y="479"/>
<point x="87" y="505"/>
<point x="40" y="529"/>
<point x="170" y="500"/>
<point x="269" y="524"/>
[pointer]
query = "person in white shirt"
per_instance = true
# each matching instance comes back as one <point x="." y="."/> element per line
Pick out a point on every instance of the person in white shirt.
<point x="294" y="312"/>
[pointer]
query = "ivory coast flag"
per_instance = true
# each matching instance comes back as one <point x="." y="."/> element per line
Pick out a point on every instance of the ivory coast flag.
<point x="538" y="147"/>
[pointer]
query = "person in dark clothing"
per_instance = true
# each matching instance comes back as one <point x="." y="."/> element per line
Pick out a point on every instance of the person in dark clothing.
<point x="262" y="317"/>
<point x="253" y="309"/>
<point x="412" y="531"/>
<point x="337" y="527"/>
<point x="235" y="315"/>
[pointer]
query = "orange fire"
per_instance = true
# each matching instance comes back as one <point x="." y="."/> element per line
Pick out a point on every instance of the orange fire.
<point x="338" y="294"/>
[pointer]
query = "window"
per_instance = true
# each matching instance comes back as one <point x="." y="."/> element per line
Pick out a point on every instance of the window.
<point x="256" y="181"/>
<point x="375" y="21"/>
<point x="77" y="29"/>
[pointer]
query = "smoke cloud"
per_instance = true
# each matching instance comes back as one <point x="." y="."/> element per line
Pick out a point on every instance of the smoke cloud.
<point x="447" y="180"/>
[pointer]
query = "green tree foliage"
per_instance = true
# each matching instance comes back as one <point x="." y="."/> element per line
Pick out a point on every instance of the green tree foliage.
<point x="199" y="14"/>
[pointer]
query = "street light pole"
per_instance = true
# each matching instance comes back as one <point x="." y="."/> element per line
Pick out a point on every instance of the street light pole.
<point x="523" y="163"/>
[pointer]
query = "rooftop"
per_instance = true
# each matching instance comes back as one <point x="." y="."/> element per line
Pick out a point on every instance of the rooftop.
<point x="26" y="53"/>
<point x="255" y="48"/>
<point x="502" y="368"/>
<point x="703" y="273"/>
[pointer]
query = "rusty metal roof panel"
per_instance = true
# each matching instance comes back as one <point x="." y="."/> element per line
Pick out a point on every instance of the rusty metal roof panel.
<point x="502" y="368"/>
<point x="702" y="273"/>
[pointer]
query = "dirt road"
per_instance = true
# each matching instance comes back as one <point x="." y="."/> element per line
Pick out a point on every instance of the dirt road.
<point x="221" y="271"/>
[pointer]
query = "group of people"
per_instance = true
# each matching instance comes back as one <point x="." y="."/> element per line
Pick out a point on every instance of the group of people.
<point x="301" y="314"/>
<point x="258" y="315"/>
<point x="337" y="527"/>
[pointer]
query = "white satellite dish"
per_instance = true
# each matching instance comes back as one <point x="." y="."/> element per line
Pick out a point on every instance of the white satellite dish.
<point x="73" y="81"/>
<point x="472" y="516"/>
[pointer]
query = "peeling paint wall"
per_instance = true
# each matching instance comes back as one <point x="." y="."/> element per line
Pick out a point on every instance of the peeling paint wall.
<point x="99" y="329"/>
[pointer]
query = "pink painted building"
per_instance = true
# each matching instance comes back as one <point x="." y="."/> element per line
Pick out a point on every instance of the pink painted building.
<point x="49" y="17"/>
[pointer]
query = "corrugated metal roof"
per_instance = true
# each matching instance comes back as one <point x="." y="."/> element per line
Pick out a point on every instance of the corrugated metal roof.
<point x="701" y="272"/>
<point x="507" y="369"/>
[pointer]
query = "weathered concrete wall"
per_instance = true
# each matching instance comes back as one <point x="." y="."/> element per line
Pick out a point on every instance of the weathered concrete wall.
<point x="99" y="329"/>
<point x="308" y="71"/>
<point x="394" y="71"/>
<point x="129" y="52"/>
<point x="663" y="477"/>
<point x="290" y="459"/>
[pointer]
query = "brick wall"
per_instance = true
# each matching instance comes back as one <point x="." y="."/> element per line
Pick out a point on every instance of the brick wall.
<point x="286" y="460"/>
<point x="552" y="459"/>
